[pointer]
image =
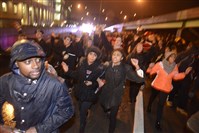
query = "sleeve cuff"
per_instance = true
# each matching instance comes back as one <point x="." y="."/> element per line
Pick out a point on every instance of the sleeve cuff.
<point x="140" y="73"/>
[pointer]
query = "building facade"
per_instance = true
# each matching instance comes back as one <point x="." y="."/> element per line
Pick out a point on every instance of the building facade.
<point x="27" y="12"/>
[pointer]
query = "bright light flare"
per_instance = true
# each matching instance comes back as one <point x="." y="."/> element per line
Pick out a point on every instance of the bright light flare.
<point x="79" y="6"/>
<point x="88" y="28"/>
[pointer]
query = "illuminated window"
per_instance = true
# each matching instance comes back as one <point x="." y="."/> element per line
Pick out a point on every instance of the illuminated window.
<point x="47" y="17"/>
<point x="57" y="16"/>
<point x="58" y="1"/>
<point x="40" y="13"/>
<point x="15" y="9"/>
<point x="4" y="7"/>
<point x="24" y="9"/>
<point x="36" y="11"/>
<point x="30" y="9"/>
<point x="58" y="7"/>
<point x="22" y="21"/>
<point x="44" y="14"/>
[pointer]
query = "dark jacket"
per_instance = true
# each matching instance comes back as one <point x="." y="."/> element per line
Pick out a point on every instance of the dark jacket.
<point x="44" y="104"/>
<point x="47" y="47"/>
<point x="85" y="73"/>
<point x="142" y="60"/>
<point x="115" y="78"/>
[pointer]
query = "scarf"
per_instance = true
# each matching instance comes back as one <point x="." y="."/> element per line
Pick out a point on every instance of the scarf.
<point x="168" y="67"/>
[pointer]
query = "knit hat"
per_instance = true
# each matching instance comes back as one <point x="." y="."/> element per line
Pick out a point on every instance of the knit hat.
<point x="24" y="49"/>
<point x="168" y="54"/>
<point x="95" y="50"/>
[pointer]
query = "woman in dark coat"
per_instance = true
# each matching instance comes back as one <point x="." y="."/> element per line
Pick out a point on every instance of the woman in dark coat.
<point x="115" y="75"/>
<point x="143" y="58"/>
<point x="86" y="76"/>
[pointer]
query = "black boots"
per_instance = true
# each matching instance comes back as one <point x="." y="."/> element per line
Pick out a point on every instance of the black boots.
<point x="157" y="126"/>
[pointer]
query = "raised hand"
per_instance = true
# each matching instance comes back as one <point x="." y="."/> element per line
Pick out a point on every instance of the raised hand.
<point x="187" y="71"/>
<point x="88" y="83"/>
<point x="135" y="63"/>
<point x="151" y="65"/>
<point x="64" y="66"/>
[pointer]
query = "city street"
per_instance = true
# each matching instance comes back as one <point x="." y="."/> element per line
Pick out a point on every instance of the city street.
<point x="97" y="122"/>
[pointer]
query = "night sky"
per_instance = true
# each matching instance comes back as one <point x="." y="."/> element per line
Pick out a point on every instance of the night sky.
<point x="143" y="9"/>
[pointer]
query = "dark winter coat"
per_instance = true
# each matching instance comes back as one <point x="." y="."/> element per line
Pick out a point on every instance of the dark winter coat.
<point x="85" y="73"/>
<point x="72" y="57"/>
<point x="142" y="60"/>
<point x="43" y="104"/>
<point x="115" y="78"/>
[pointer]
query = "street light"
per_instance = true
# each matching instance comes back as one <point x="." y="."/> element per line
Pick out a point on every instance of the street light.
<point x="125" y="17"/>
<point x="79" y="6"/>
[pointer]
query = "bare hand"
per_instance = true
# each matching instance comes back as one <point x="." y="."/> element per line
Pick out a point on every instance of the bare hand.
<point x="31" y="130"/>
<point x="151" y="65"/>
<point x="88" y="83"/>
<point x="100" y="82"/>
<point x="64" y="66"/>
<point x="65" y="56"/>
<point x="187" y="71"/>
<point x="50" y="68"/>
<point x="135" y="62"/>
<point x="106" y="63"/>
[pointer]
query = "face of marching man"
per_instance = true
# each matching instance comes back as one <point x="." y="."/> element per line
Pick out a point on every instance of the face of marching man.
<point x="117" y="57"/>
<point x="30" y="68"/>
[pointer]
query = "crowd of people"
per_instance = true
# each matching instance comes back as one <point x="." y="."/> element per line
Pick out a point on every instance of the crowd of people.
<point x="95" y="68"/>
